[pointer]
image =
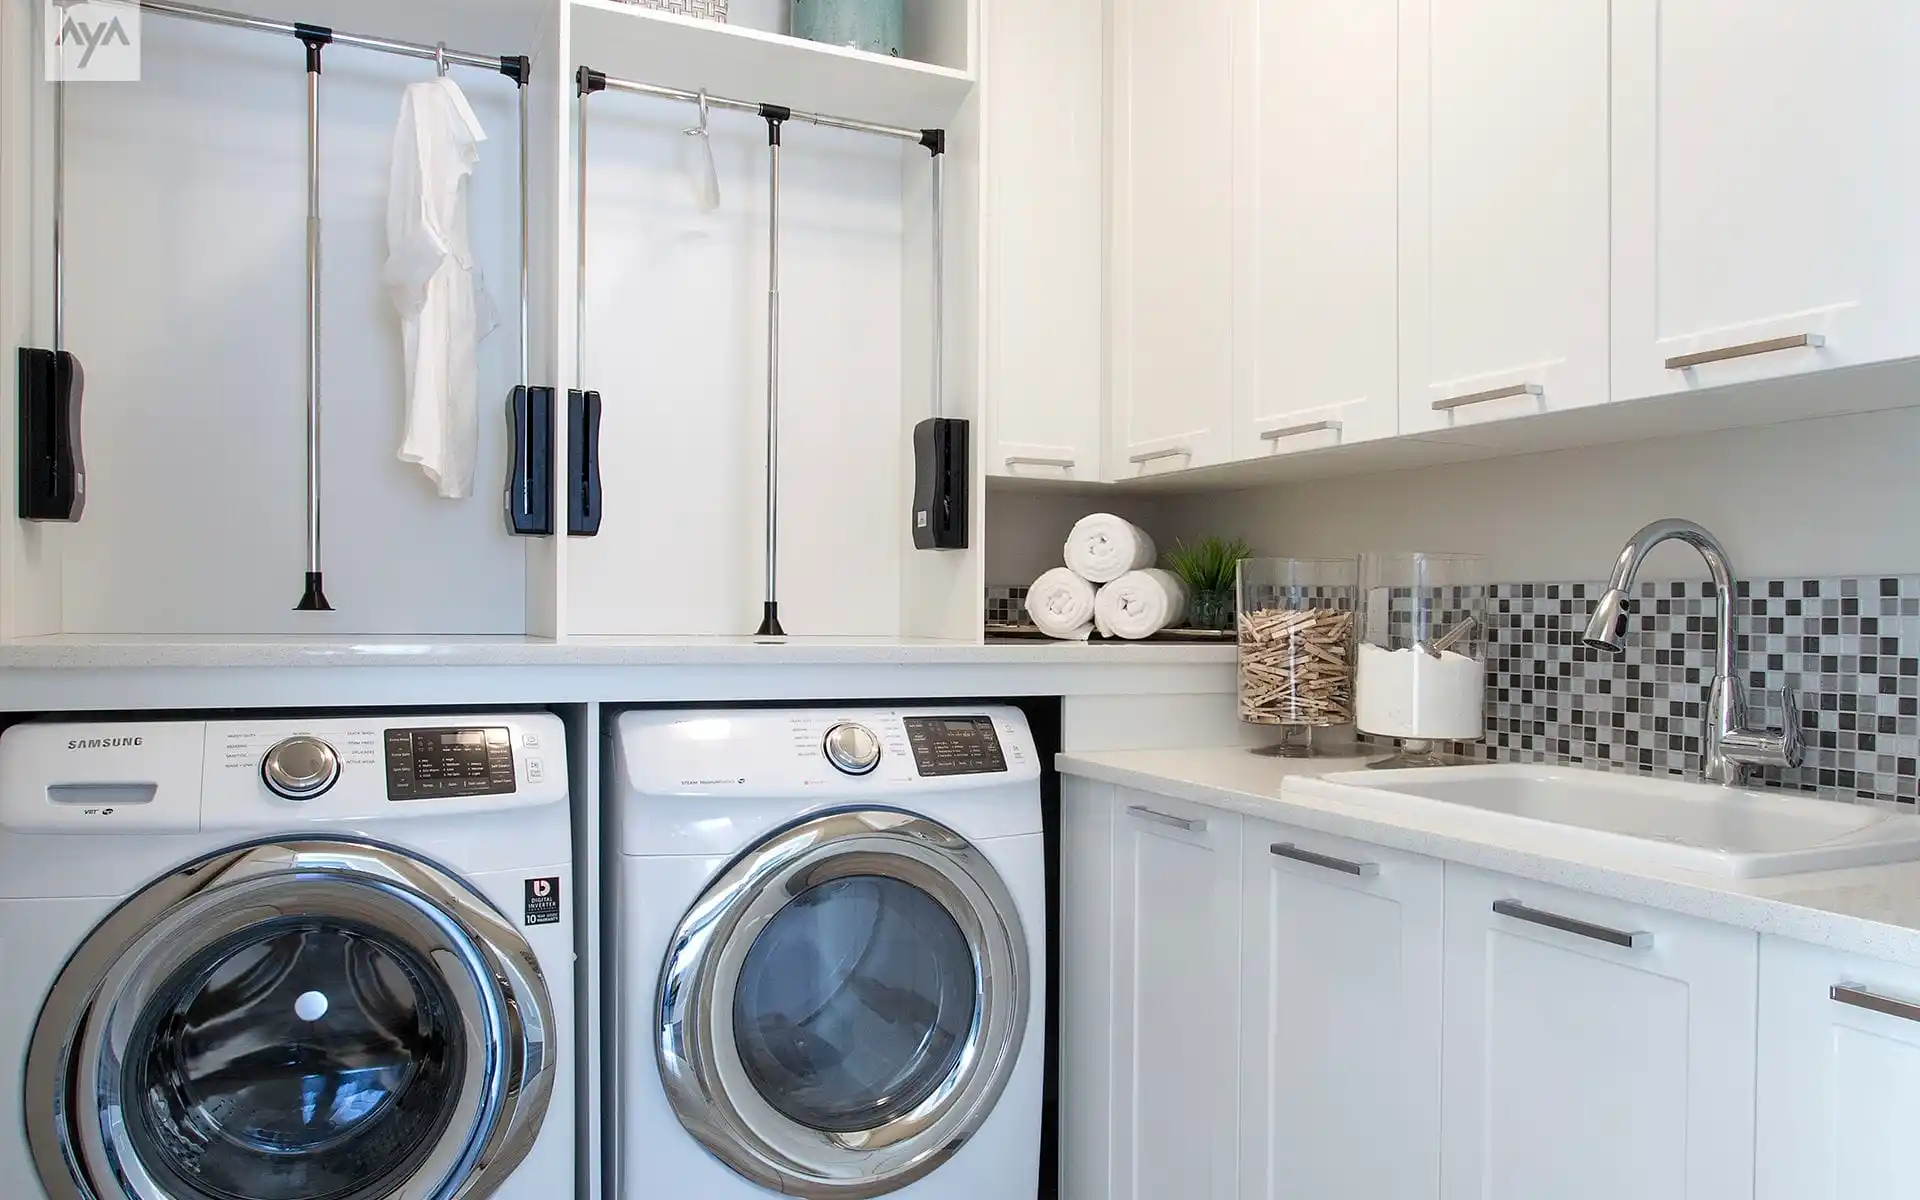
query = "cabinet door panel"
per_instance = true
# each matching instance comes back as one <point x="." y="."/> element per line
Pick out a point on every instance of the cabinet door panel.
<point x="1045" y="145"/>
<point x="1839" y="1083"/>
<point x="1176" y="1006"/>
<point x="1766" y="166"/>
<point x="1341" y="1024"/>
<point x="1504" y="209"/>
<point x="1174" y="148"/>
<point x="1584" y="1070"/>
<point x="1321" y="335"/>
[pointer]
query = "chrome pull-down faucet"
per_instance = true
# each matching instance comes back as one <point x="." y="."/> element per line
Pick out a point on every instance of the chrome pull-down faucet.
<point x="1730" y="748"/>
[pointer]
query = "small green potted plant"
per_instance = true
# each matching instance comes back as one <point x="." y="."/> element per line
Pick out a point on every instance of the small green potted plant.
<point x="1208" y="567"/>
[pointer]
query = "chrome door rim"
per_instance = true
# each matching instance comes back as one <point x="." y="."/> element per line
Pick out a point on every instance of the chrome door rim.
<point x="74" y="1132"/>
<point x="700" y="1065"/>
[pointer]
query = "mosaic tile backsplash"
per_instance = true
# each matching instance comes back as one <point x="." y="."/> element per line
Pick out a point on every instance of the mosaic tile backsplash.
<point x="1849" y="647"/>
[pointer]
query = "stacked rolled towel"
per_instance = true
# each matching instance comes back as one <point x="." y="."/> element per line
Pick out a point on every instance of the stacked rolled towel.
<point x="1060" y="603"/>
<point x="1103" y="547"/>
<point x="1140" y="604"/>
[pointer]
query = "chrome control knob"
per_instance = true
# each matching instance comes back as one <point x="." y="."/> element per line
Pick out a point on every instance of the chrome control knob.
<point x="852" y="749"/>
<point x="300" y="768"/>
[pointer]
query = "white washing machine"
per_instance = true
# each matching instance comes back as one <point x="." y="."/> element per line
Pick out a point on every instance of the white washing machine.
<point x="287" y="960"/>
<point x="831" y="943"/>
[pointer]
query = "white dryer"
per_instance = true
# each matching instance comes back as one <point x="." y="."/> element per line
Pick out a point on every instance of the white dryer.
<point x="831" y="943"/>
<point x="287" y="959"/>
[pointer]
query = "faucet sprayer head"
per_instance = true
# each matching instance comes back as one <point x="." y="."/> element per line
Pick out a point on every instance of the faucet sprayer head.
<point x="1609" y="625"/>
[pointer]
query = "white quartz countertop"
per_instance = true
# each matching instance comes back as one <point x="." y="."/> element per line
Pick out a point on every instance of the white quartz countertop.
<point x="99" y="652"/>
<point x="1873" y="911"/>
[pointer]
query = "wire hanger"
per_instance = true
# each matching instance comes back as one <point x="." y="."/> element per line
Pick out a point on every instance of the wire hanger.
<point x="440" y="59"/>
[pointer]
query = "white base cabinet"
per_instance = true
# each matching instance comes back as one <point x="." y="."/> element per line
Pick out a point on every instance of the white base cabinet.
<point x="1176" y="943"/>
<point x="1255" y="1011"/>
<point x="1839" y="1076"/>
<point x="1340" y="1024"/>
<point x="1594" y="1050"/>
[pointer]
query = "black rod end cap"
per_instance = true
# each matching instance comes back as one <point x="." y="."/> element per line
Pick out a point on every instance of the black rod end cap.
<point x="590" y="81"/>
<point x="313" y="37"/>
<point x="315" y="599"/>
<point x="517" y="67"/>
<point x="935" y="140"/>
<point x="770" y="622"/>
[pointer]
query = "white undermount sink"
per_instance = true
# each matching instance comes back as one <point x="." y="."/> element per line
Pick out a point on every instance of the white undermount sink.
<point x="1696" y="826"/>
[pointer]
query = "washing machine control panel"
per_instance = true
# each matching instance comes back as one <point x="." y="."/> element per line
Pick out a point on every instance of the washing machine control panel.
<point x="955" y="745"/>
<point x="427" y="764"/>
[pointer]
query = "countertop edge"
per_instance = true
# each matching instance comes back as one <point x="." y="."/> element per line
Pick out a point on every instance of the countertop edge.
<point x="1766" y="906"/>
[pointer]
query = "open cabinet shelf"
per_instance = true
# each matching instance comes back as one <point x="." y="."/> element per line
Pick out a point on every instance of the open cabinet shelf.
<point x="669" y="50"/>
<point x="187" y="310"/>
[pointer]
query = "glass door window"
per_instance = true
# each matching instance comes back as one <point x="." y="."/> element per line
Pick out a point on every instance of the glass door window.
<point x="854" y="1003"/>
<point x="302" y="1059"/>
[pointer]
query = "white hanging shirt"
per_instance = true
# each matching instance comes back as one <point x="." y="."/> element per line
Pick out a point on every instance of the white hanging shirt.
<point x="442" y="302"/>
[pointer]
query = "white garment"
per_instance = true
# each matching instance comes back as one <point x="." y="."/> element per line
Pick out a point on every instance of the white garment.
<point x="1140" y="604"/>
<point x="1103" y="547"/>
<point x="1060" y="604"/>
<point x="430" y="272"/>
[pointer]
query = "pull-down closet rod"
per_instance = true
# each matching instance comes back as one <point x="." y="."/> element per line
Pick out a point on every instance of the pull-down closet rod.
<point x="776" y="115"/>
<point x="316" y="38"/>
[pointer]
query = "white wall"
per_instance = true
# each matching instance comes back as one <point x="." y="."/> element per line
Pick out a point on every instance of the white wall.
<point x="1839" y="495"/>
<point x="676" y="331"/>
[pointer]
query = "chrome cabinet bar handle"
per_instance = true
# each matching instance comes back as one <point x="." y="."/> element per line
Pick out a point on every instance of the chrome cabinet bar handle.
<point x="1021" y="460"/>
<point x="1501" y="393"/>
<point x="1361" y="870"/>
<point x="1599" y="933"/>
<point x="1861" y="998"/>
<point x="1157" y="455"/>
<point x="1160" y="818"/>
<point x="1274" y="435"/>
<point x="1797" y="341"/>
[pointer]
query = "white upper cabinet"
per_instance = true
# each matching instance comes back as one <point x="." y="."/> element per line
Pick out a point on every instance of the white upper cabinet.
<point x="1594" y="1050"/>
<point x="1766" y="176"/>
<point x="1045" y="190"/>
<point x="1839" y="1076"/>
<point x="1317" y="338"/>
<point x="1176" y="942"/>
<point x="1175" y="145"/>
<point x="1340" y="1041"/>
<point x="1503" y="210"/>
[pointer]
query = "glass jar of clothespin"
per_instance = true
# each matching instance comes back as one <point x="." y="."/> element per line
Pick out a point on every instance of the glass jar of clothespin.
<point x="1296" y="625"/>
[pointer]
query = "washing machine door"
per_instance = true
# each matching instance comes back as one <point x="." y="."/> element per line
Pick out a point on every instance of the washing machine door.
<point x="301" y="1020"/>
<point x="842" y="1007"/>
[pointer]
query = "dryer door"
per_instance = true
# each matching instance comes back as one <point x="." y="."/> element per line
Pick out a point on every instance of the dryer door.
<point x="841" y="1009"/>
<point x="301" y="1020"/>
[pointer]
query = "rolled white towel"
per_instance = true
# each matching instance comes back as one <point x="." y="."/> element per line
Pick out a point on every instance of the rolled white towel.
<point x="1103" y="547"/>
<point x="1060" y="603"/>
<point x="1140" y="604"/>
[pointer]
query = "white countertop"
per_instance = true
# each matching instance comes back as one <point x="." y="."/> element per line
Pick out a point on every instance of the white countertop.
<point x="107" y="652"/>
<point x="1873" y="911"/>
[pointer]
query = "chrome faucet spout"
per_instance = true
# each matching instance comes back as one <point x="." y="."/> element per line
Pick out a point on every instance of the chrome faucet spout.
<point x="1730" y="748"/>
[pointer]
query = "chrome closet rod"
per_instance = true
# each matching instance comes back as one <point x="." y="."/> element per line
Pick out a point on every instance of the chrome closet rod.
<point x="215" y="16"/>
<point x="746" y="106"/>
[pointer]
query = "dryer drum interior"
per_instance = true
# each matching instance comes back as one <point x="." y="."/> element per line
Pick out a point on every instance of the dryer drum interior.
<point x="842" y="1007"/>
<point x="292" y="1021"/>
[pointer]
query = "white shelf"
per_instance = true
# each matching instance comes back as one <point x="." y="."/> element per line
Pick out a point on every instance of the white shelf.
<point x="649" y="46"/>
